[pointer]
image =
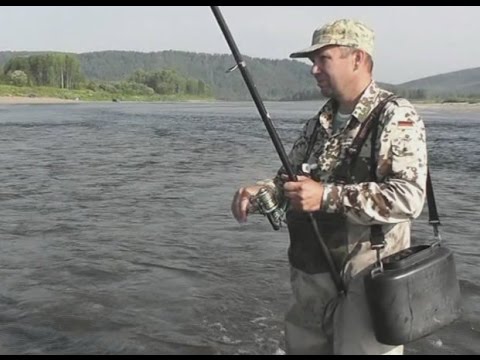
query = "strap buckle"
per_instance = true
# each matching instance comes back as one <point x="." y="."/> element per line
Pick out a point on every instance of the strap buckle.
<point x="378" y="268"/>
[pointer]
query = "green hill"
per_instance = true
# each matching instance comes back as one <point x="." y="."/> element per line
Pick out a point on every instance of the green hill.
<point x="275" y="79"/>
<point x="458" y="83"/>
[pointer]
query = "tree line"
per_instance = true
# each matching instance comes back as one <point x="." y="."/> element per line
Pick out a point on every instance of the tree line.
<point x="57" y="70"/>
<point x="64" y="71"/>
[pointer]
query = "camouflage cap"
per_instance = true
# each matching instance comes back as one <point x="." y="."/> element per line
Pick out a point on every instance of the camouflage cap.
<point x="344" y="32"/>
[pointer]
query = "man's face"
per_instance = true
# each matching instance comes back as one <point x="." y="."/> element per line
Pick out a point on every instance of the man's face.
<point x="333" y="69"/>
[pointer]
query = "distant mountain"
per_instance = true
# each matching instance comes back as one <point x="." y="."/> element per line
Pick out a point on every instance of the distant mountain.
<point x="460" y="83"/>
<point x="275" y="79"/>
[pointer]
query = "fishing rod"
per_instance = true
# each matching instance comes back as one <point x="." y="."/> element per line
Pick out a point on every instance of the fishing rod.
<point x="242" y="66"/>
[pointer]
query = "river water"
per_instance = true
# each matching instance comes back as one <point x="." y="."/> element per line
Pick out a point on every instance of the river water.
<point x="117" y="236"/>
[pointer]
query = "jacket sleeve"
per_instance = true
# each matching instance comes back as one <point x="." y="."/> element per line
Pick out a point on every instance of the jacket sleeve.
<point x="399" y="194"/>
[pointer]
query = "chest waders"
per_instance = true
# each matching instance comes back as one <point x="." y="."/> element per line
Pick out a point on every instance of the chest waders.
<point x="304" y="248"/>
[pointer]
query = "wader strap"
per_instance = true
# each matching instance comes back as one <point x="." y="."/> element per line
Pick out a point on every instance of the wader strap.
<point x="311" y="143"/>
<point x="370" y="124"/>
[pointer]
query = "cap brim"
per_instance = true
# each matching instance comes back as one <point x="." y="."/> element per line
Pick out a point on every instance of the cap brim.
<point x="306" y="52"/>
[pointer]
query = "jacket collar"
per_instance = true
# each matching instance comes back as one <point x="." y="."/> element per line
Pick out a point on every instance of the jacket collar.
<point x="370" y="98"/>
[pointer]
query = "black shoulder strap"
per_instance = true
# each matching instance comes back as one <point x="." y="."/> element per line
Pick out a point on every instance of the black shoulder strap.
<point x="433" y="218"/>
<point x="313" y="139"/>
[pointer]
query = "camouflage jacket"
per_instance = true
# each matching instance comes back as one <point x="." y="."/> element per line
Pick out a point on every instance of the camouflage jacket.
<point x="349" y="208"/>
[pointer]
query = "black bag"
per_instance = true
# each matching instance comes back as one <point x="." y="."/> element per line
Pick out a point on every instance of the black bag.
<point x="414" y="292"/>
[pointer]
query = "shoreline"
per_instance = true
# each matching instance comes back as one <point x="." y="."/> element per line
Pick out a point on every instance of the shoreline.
<point x="25" y="100"/>
<point x="18" y="100"/>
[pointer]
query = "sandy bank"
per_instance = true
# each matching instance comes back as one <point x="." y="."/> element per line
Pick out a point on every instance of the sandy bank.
<point x="33" y="100"/>
<point x="448" y="106"/>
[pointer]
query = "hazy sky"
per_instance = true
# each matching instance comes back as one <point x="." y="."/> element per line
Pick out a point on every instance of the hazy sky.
<point x="411" y="41"/>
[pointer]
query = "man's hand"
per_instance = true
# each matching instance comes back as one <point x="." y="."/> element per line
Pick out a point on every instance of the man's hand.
<point x="241" y="202"/>
<point x="305" y="194"/>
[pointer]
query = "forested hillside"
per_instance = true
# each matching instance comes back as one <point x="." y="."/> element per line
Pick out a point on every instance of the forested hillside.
<point x="275" y="79"/>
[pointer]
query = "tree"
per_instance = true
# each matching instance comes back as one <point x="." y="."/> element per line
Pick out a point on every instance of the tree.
<point x="18" y="78"/>
<point x="53" y="69"/>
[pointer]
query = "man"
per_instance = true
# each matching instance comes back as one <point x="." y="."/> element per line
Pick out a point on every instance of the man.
<point x="349" y="192"/>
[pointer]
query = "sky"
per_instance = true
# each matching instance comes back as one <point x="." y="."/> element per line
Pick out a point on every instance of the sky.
<point x="412" y="42"/>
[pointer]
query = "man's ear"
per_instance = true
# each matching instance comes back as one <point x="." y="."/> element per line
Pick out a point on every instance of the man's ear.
<point x="358" y="58"/>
